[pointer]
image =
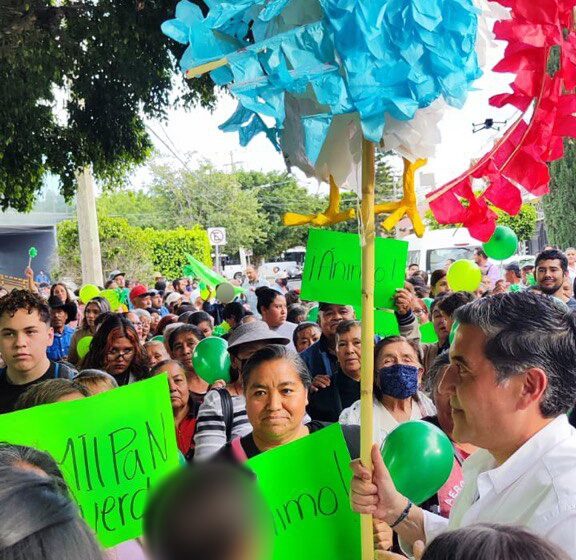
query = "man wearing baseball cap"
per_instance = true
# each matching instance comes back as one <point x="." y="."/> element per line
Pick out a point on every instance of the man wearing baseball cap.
<point x="513" y="277"/>
<point x="141" y="297"/>
<point x="120" y="278"/>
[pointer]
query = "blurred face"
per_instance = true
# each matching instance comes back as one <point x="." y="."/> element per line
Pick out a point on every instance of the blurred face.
<point x="397" y="353"/>
<point x="156" y="301"/>
<point x="349" y="351"/>
<point x="90" y="313"/>
<point x="421" y="311"/>
<point x="143" y="302"/>
<point x="449" y="321"/>
<point x="58" y="319"/>
<point x="550" y="276"/>
<point x="156" y="353"/>
<point x="119" y="356"/>
<point x="479" y="259"/>
<point x="571" y="256"/>
<point x="135" y="320"/>
<point x="413" y="269"/>
<point x="480" y="405"/>
<point x="276" y="402"/>
<point x="510" y="277"/>
<point x="440" y="325"/>
<point x="120" y="281"/>
<point x="145" y="327"/>
<point x="443" y="410"/>
<point x="60" y="292"/>
<point x="206" y="328"/>
<point x="183" y="349"/>
<point x="275" y="315"/>
<point x="305" y="338"/>
<point x="567" y="288"/>
<point x="441" y="287"/>
<point x="251" y="274"/>
<point x="244" y="353"/>
<point x="179" y="394"/>
<point x="333" y="316"/>
<point x="23" y="341"/>
<point x="154" y="321"/>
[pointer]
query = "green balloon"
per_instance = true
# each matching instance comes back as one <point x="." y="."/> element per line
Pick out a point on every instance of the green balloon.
<point x="211" y="360"/>
<point x="313" y="315"/>
<point x="428" y="301"/>
<point x="88" y="292"/>
<point x="419" y="457"/>
<point x="83" y="346"/>
<point x="502" y="244"/>
<point x="453" y="330"/>
<point x="464" y="276"/>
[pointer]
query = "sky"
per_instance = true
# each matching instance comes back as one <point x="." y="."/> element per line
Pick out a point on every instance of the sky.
<point x="190" y="137"/>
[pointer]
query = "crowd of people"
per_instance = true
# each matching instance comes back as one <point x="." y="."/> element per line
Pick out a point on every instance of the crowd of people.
<point x="499" y="381"/>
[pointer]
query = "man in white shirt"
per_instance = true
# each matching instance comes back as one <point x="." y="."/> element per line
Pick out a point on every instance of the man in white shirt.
<point x="511" y="381"/>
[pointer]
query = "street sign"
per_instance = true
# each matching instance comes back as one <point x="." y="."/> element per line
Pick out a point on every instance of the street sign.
<point x="217" y="236"/>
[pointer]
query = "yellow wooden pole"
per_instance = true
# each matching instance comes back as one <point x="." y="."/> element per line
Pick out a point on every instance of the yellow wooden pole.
<point x="367" y="236"/>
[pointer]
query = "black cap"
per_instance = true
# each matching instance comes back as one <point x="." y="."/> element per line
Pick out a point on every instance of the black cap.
<point x="513" y="267"/>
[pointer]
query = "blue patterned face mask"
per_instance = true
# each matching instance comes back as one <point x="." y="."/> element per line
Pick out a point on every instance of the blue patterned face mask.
<point x="398" y="381"/>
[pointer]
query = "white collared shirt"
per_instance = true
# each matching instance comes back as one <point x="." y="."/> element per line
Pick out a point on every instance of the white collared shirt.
<point x="535" y="488"/>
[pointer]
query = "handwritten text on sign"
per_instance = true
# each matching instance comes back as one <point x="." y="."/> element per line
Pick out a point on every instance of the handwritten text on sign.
<point x="333" y="268"/>
<point x="306" y="485"/>
<point x="112" y="448"/>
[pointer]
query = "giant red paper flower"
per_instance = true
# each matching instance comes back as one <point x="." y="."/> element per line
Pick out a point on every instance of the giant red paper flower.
<point x="521" y="157"/>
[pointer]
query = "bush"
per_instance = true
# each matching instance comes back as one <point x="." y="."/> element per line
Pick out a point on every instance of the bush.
<point x="169" y="248"/>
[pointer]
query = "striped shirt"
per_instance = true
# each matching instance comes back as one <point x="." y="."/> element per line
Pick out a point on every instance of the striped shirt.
<point x="211" y="428"/>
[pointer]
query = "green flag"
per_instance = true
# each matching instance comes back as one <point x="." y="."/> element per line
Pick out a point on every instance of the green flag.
<point x="333" y="269"/>
<point x="112" y="448"/>
<point x="306" y="485"/>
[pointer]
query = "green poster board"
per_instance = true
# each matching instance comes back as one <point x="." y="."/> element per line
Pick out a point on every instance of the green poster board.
<point x="112" y="448"/>
<point x="306" y="485"/>
<point x="333" y="269"/>
<point x="428" y="334"/>
<point x="385" y="322"/>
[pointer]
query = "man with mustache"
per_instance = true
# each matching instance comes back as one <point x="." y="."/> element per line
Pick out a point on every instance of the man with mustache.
<point x="551" y="271"/>
<point x="510" y="382"/>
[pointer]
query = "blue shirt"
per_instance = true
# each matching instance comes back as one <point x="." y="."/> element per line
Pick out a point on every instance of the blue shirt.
<point x="61" y="345"/>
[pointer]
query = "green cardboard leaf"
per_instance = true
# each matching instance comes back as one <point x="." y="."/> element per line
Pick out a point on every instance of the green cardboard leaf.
<point x="112" y="448"/>
<point x="333" y="269"/>
<point x="306" y="485"/>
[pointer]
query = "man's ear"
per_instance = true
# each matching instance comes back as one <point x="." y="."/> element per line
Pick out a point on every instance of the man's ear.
<point x="534" y="385"/>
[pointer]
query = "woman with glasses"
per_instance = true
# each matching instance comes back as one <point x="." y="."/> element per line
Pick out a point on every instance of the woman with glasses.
<point x="116" y="349"/>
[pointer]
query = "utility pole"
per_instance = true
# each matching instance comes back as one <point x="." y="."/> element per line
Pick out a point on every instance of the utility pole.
<point x="88" y="228"/>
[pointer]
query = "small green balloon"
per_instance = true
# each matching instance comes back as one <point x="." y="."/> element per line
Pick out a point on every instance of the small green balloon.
<point x="419" y="457"/>
<point x="464" y="276"/>
<point x="453" y="332"/>
<point x="88" y="292"/>
<point x="313" y="315"/>
<point x="211" y="360"/>
<point x="83" y="346"/>
<point x="32" y="252"/>
<point x="428" y="301"/>
<point x="502" y="244"/>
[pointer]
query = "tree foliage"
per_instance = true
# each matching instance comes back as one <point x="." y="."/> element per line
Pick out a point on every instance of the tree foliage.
<point x="523" y="224"/>
<point x="278" y="193"/>
<point x="112" y="66"/>
<point x="138" y="251"/>
<point x="560" y="204"/>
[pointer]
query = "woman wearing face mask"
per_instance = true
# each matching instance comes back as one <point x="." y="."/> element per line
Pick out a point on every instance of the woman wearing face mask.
<point x="94" y="307"/>
<point x="397" y="374"/>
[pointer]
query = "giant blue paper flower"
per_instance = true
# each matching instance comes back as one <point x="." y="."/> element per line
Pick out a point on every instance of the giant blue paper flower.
<point x="327" y="62"/>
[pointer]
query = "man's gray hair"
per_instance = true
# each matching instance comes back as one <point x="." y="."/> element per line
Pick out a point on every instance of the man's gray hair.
<point x="525" y="330"/>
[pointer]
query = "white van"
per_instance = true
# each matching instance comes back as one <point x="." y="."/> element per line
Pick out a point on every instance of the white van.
<point x="437" y="246"/>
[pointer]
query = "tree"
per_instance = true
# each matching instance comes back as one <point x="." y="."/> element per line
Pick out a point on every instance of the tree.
<point x="279" y="193"/>
<point x="209" y="198"/>
<point x="113" y="67"/>
<point x="560" y="204"/>
<point x="138" y="208"/>
<point x="523" y="224"/>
